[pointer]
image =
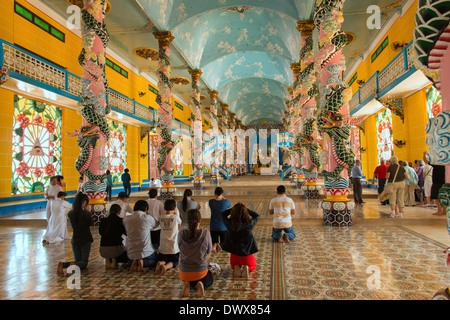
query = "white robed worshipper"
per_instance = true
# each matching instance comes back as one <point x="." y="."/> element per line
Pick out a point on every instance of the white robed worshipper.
<point x="51" y="194"/>
<point x="57" y="224"/>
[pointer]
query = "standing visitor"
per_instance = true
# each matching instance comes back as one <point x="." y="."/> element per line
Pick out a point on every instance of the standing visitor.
<point x="428" y="178"/>
<point x="396" y="175"/>
<point x="410" y="184"/>
<point x="156" y="209"/>
<point x="185" y="205"/>
<point x="158" y="183"/>
<point x="240" y="242"/>
<point x="169" y="252"/>
<point x="438" y="178"/>
<point x="109" y="185"/>
<point x="126" y="180"/>
<point x="111" y="230"/>
<point x="282" y="208"/>
<point x="357" y="175"/>
<point x="420" y="165"/>
<point x="51" y="194"/>
<point x="380" y="174"/>
<point x="217" y="227"/>
<point x="195" y="245"/>
<point x="57" y="225"/>
<point x="122" y="201"/>
<point x="81" y="221"/>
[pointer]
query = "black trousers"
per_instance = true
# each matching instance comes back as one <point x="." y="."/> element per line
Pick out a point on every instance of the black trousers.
<point x="381" y="184"/>
<point x="127" y="189"/>
<point x="218" y="237"/>
<point x="357" y="190"/>
<point x="207" y="281"/>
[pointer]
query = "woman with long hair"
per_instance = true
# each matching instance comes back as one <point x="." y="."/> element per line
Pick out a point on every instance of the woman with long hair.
<point x="81" y="220"/>
<point x="184" y="206"/>
<point x="111" y="230"/>
<point x="195" y="245"/>
<point x="240" y="222"/>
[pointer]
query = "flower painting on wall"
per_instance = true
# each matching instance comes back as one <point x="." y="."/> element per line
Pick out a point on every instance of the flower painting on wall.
<point x="116" y="150"/>
<point x="36" y="145"/>
<point x="434" y="102"/>
<point x="384" y="135"/>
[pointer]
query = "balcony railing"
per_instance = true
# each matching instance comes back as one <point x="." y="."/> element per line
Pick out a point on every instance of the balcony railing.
<point x="23" y="65"/>
<point x="382" y="81"/>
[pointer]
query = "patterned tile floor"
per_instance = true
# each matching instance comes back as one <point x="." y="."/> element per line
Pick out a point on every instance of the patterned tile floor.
<point x="323" y="263"/>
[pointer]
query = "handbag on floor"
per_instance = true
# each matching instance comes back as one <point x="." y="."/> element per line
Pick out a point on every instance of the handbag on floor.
<point x="388" y="188"/>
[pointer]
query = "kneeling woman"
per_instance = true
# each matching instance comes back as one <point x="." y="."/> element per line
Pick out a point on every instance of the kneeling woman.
<point x="195" y="244"/>
<point x="240" y="241"/>
<point x="111" y="230"/>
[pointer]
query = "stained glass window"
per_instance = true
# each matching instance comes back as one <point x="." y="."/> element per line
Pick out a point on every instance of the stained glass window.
<point x="384" y="135"/>
<point x="434" y="102"/>
<point x="116" y="150"/>
<point x="36" y="145"/>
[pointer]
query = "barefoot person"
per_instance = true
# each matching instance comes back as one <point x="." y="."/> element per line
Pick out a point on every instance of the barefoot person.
<point x="169" y="252"/>
<point x="239" y="241"/>
<point x="195" y="245"/>
<point x="282" y="208"/>
<point x="57" y="225"/>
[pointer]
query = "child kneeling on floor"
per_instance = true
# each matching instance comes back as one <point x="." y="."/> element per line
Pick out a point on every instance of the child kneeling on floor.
<point x="195" y="244"/>
<point x="169" y="252"/>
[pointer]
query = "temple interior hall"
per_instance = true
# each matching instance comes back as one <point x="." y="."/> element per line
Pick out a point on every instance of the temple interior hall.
<point x="321" y="127"/>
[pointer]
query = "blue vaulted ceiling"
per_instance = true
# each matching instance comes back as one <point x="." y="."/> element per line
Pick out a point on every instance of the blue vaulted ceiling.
<point x="243" y="47"/>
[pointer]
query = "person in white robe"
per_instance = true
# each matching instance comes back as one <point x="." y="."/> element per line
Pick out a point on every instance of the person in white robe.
<point x="51" y="194"/>
<point x="57" y="225"/>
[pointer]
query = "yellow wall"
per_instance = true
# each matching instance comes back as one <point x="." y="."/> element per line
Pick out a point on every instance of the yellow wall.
<point x="19" y="31"/>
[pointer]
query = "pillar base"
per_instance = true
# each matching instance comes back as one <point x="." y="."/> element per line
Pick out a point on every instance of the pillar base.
<point x="215" y="181"/>
<point x="337" y="208"/>
<point x="97" y="207"/>
<point x="299" y="183"/>
<point x="198" y="184"/>
<point x="167" y="193"/>
<point x="311" y="192"/>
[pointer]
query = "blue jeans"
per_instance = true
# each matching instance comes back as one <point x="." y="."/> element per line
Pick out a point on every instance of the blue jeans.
<point x="277" y="233"/>
<point x="150" y="261"/>
<point x="81" y="255"/>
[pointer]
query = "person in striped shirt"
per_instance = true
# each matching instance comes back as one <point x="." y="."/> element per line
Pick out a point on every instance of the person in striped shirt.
<point x="282" y="208"/>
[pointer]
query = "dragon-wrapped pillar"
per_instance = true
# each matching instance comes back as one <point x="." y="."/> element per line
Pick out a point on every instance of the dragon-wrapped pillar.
<point x="165" y="115"/>
<point x="94" y="133"/>
<point x="337" y="156"/>
<point x="432" y="51"/>
<point x="295" y="126"/>
<point x="196" y="118"/>
<point x="215" y="175"/>
<point x="307" y="137"/>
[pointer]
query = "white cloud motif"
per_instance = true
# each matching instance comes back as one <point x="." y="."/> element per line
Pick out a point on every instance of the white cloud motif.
<point x="243" y="35"/>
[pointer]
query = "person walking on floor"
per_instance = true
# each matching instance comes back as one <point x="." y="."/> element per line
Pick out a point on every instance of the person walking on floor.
<point x="357" y="175"/>
<point x="410" y="184"/>
<point x="217" y="227"/>
<point x="112" y="230"/>
<point x="81" y="221"/>
<point x="396" y="175"/>
<point x="282" y="208"/>
<point x="380" y="174"/>
<point x="126" y="180"/>
<point x="169" y="252"/>
<point x="138" y="245"/>
<point x="438" y="178"/>
<point x="240" y="241"/>
<point x="428" y="182"/>
<point x="195" y="246"/>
